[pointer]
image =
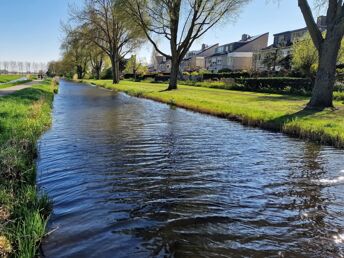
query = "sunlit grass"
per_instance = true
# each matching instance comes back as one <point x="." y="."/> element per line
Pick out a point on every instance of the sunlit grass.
<point x="273" y="111"/>
<point x="10" y="77"/>
<point x="23" y="117"/>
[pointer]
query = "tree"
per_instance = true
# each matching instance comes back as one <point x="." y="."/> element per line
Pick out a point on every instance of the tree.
<point x="74" y="51"/>
<point x="96" y="57"/>
<point x="305" y="57"/>
<point x="105" y="23"/>
<point x="135" y="67"/>
<point x="180" y="23"/>
<point x="270" y="60"/>
<point x="327" y="46"/>
<point x="28" y="67"/>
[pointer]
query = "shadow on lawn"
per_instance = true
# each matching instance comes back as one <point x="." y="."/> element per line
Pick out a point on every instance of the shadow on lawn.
<point x="281" y="98"/>
<point x="278" y="122"/>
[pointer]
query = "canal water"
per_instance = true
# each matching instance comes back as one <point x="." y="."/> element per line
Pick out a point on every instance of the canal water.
<point x="134" y="178"/>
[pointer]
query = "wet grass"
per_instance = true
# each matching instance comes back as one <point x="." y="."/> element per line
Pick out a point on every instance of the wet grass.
<point x="24" y="116"/>
<point x="276" y="112"/>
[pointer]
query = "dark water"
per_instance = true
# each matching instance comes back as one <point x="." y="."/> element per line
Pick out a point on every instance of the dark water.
<point x="134" y="178"/>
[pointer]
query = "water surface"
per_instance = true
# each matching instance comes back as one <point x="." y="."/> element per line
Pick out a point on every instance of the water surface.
<point x="135" y="178"/>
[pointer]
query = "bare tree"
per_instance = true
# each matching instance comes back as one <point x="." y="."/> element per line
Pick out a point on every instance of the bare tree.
<point x="328" y="46"/>
<point x="6" y="65"/>
<point x="28" y="67"/>
<point x="105" y="23"/>
<point x="20" y="66"/>
<point x="14" y="66"/>
<point x="179" y="22"/>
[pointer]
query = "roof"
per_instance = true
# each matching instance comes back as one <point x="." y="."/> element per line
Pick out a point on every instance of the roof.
<point x="290" y="31"/>
<point x="239" y="43"/>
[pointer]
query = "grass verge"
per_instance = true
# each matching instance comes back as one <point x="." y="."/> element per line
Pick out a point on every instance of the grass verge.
<point x="24" y="116"/>
<point x="10" y="77"/>
<point x="284" y="113"/>
<point x="11" y="84"/>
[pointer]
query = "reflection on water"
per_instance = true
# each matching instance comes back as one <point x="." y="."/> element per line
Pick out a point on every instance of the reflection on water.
<point x="134" y="178"/>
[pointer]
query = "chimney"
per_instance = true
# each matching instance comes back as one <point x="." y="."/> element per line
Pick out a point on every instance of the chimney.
<point x="204" y="46"/>
<point x="245" y="37"/>
<point x="321" y="21"/>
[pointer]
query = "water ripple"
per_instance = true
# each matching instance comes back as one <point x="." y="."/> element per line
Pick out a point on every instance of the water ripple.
<point x="134" y="178"/>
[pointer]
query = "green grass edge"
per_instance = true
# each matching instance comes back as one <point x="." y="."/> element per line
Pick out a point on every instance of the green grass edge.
<point x="24" y="210"/>
<point x="279" y="113"/>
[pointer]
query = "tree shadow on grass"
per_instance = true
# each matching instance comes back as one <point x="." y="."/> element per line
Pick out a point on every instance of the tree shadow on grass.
<point x="278" y="122"/>
<point x="281" y="98"/>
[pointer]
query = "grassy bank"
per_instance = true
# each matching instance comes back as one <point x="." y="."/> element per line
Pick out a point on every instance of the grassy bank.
<point x="9" y="77"/>
<point x="25" y="115"/>
<point x="11" y="84"/>
<point x="270" y="111"/>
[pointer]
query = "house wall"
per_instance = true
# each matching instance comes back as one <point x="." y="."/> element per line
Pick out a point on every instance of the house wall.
<point x="240" y="60"/>
<point x="259" y="43"/>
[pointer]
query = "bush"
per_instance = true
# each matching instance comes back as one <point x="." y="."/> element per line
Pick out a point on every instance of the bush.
<point x="276" y="84"/>
<point x="219" y="76"/>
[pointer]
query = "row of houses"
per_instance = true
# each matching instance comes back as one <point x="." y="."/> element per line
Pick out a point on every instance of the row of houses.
<point x="249" y="53"/>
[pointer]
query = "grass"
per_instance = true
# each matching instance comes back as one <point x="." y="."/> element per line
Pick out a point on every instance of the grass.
<point x="24" y="116"/>
<point x="284" y="113"/>
<point x="9" y="77"/>
<point x="11" y="84"/>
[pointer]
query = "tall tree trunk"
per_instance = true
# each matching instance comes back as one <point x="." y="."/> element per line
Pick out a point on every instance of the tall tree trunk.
<point x="115" y="70"/>
<point x="174" y="74"/>
<point x="322" y="94"/>
<point x="79" y="71"/>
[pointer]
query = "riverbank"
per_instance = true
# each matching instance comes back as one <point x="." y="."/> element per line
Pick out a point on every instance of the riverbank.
<point x="283" y="113"/>
<point x="4" y="78"/>
<point x="25" y="115"/>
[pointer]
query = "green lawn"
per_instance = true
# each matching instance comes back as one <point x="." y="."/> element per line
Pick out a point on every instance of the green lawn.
<point x="24" y="116"/>
<point x="10" y="77"/>
<point x="271" y="111"/>
<point x="11" y="84"/>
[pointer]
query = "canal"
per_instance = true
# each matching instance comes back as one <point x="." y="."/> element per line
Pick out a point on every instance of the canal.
<point x="130" y="177"/>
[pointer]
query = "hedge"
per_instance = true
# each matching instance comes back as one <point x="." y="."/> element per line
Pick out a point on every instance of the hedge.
<point x="276" y="84"/>
<point x="219" y="76"/>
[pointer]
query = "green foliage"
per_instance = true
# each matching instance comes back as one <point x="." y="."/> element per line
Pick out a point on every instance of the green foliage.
<point x="134" y="66"/>
<point x="276" y="84"/>
<point x="4" y="78"/>
<point x="305" y="56"/>
<point x="24" y="116"/>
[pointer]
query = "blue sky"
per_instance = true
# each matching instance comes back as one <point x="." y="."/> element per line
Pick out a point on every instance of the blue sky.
<point x="30" y="29"/>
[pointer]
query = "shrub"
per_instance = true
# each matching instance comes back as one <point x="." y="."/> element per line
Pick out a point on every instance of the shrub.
<point x="276" y="84"/>
<point x="219" y="76"/>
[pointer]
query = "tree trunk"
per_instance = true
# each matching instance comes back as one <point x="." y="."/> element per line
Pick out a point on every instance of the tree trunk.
<point x="115" y="70"/>
<point x="322" y="94"/>
<point x="174" y="74"/>
<point x="98" y="73"/>
<point x="79" y="71"/>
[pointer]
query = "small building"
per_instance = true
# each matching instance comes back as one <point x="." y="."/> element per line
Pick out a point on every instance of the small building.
<point x="161" y="64"/>
<point x="236" y="55"/>
<point x="195" y="60"/>
<point x="281" y="49"/>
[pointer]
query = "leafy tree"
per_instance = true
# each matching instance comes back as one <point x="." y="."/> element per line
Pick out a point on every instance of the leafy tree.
<point x="180" y="22"/>
<point x="75" y="53"/>
<point x="327" y="46"/>
<point x="306" y="58"/>
<point x="105" y="23"/>
<point x="135" y="67"/>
